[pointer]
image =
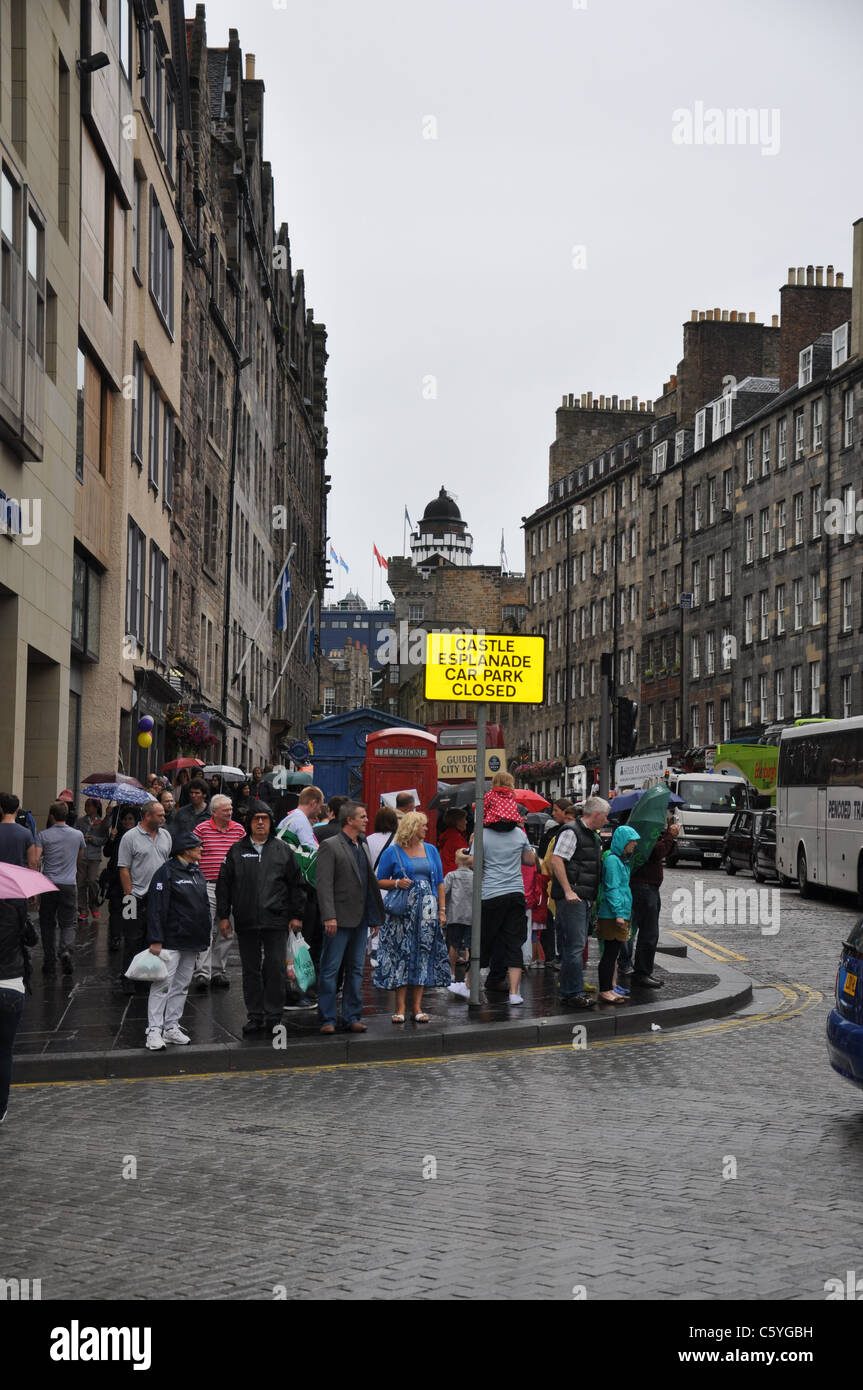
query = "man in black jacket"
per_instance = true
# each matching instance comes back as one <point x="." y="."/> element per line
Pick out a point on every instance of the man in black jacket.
<point x="178" y="927"/>
<point x="576" y="866"/>
<point x="260" y="882"/>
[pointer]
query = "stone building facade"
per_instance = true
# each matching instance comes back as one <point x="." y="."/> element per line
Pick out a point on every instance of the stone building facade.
<point x="40" y="230"/>
<point x="695" y="551"/>
<point x="250" y="482"/>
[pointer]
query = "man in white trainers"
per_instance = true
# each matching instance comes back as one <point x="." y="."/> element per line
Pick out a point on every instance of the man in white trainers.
<point x="178" y="927"/>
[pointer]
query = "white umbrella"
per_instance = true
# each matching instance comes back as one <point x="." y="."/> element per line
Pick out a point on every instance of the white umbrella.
<point x="233" y="774"/>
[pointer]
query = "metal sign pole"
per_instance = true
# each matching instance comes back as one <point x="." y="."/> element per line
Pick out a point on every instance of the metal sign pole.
<point x="476" y="916"/>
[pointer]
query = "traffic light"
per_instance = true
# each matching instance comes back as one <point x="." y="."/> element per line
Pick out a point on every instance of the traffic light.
<point x="627" y="727"/>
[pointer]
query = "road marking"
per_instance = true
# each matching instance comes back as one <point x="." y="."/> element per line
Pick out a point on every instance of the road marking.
<point x="793" y="1004"/>
<point x="713" y="949"/>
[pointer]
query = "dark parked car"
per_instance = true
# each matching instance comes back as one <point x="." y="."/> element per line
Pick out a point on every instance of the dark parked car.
<point x="739" y="843"/>
<point x="764" y="851"/>
<point x="845" y="1021"/>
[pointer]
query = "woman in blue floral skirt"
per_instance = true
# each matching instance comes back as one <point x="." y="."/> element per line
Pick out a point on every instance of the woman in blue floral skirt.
<point x="412" y="947"/>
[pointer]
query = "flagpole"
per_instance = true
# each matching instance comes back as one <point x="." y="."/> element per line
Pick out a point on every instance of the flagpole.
<point x="264" y="611"/>
<point x="290" y="650"/>
<point x="405" y="533"/>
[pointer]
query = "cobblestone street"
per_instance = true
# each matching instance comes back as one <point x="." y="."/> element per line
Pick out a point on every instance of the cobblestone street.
<point x="519" y="1175"/>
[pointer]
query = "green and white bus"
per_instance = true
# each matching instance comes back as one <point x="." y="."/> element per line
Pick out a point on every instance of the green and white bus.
<point x="819" y="805"/>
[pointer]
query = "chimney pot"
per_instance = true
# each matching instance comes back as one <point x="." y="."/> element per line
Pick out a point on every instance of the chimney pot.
<point x="602" y="402"/>
<point x="724" y="315"/>
<point x="596" y="404"/>
<point x="830" y="275"/>
<point x="693" y="316"/>
<point x="717" y="314"/>
<point x="584" y="400"/>
<point x="250" y="67"/>
<point x="614" y="403"/>
<point x="701" y="316"/>
<point x="840" y="279"/>
<point x="800" y="275"/>
<point x="590" y="398"/>
<point x="674" y="379"/>
<point x="751" y="318"/>
<point x="733" y="318"/>
<point x="819" y="275"/>
<point x="792" y="275"/>
<point x="710" y="315"/>
<point x="775" y="323"/>
<point x="810" y="275"/>
<point x="563" y="403"/>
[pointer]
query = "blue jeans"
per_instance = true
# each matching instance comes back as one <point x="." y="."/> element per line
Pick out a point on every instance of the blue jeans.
<point x="350" y="945"/>
<point x="573" y="920"/>
<point x="11" y="1009"/>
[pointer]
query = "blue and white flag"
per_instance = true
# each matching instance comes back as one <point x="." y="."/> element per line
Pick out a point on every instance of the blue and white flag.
<point x="283" y="598"/>
<point x="344" y="565"/>
<point x="407" y="518"/>
<point x="333" y="555"/>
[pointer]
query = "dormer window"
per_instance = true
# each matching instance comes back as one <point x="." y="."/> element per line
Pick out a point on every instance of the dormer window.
<point x="840" y="344"/>
<point x="804" y="374"/>
<point x="700" y="426"/>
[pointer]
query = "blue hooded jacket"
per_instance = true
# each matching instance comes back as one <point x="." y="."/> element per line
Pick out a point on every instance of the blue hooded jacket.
<point x="616" y="892"/>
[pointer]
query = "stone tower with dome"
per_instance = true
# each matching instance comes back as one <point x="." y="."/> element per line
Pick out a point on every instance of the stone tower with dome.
<point x="442" y="536"/>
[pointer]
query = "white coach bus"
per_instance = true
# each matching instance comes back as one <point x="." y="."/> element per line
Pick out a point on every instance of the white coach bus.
<point x="819" y="805"/>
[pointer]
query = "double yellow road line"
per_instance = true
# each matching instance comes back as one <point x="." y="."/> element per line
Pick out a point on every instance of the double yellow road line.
<point x="696" y="942"/>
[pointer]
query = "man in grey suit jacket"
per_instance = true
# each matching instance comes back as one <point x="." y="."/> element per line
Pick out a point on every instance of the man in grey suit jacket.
<point x="350" y="902"/>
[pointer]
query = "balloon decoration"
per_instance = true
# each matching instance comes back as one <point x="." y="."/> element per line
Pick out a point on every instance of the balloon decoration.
<point x="144" y="740"/>
<point x="145" y="724"/>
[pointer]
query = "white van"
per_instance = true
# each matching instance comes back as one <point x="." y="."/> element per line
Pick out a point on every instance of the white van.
<point x="711" y="800"/>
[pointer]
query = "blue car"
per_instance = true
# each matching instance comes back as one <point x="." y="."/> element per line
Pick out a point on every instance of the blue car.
<point x="845" y="1024"/>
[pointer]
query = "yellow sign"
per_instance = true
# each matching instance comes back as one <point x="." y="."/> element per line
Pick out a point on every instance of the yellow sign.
<point x="453" y="763"/>
<point x="504" y="669"/>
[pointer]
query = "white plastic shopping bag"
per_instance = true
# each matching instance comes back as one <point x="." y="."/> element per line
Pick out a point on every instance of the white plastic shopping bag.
<point x="147" y="967"/>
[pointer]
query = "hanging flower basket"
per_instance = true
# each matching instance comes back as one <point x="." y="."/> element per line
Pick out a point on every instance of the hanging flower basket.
<point x="190" y="733"/>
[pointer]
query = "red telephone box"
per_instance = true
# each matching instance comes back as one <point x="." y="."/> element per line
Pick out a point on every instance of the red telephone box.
<point x="401" y="760"/>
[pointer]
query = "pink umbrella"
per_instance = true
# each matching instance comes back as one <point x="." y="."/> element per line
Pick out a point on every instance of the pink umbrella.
<point x="16" y="882"/>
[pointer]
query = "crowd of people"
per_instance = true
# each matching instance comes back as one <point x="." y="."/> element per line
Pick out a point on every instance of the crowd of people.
<point x="195" y="865"/>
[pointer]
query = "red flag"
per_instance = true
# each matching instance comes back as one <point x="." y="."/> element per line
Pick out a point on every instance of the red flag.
<point x="379" y="557"/>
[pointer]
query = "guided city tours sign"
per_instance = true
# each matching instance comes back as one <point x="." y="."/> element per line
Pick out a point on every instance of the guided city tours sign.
<point x="502" y="669"/>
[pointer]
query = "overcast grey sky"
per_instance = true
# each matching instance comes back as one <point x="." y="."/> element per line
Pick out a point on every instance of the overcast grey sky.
<point x="452" y="257"/>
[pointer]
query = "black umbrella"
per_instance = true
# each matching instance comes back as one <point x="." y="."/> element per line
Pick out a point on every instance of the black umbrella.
<point x="460" y="796"/>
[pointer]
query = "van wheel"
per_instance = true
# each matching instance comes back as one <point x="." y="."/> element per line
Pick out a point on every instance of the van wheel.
<point x="803" y="883"/>
<point x="730" y="869"/>
<point x="756" y="872"/>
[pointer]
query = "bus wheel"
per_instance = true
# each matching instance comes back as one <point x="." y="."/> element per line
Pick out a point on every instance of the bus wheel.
<point x="802" y="880"/>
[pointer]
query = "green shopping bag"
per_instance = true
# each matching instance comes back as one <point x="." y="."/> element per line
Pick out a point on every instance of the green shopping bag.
<point x="301" y="960"/>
